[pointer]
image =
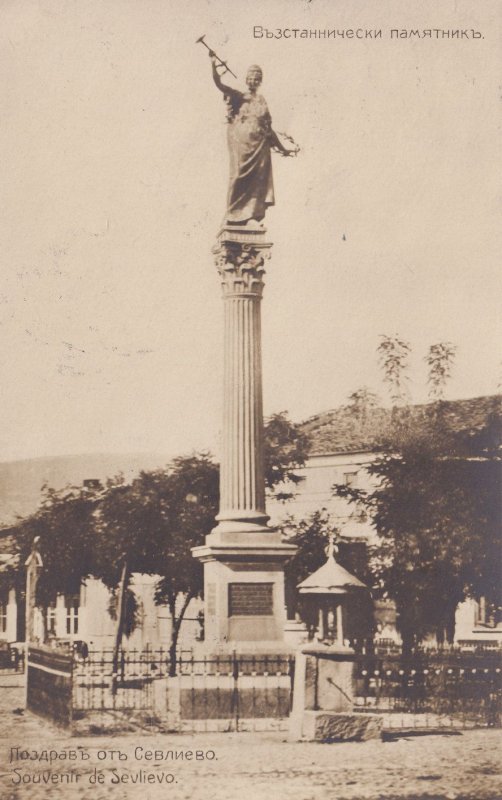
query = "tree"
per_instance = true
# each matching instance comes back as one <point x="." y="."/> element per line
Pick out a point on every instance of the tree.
<point x="151" y="525"/>
<point x="193" y="486"/>
<point x="286" y="447"/>
<point x="393" y="355"/>
<point x="436" y="512"/>
<point x="440" y="360"/>
<point x="147" y="526"/>
<point x="64" y="523"/>
<point x="435" y="505"/>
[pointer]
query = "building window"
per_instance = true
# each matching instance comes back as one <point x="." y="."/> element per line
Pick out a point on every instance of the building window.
<point x="488" y="615"/>
<point x="350" y="479"/>
<point x="72" y="606"/>
<point x="3" y="616"/>
<point x="51" y="619"/>
<point x="361" y="513"/>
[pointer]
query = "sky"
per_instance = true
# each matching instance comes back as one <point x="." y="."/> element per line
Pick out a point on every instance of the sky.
<point x="114" y="177"/>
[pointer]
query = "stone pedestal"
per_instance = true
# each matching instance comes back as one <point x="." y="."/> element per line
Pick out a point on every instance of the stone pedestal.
<point x="244" y="594"/>
<point x="243" y="558"/>
<point x="323" y="698"/>
<point x="329" y="680"/>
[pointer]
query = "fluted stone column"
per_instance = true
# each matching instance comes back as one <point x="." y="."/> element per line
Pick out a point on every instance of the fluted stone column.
<point x="243" y="558"/>
<point x="242" y="488"/>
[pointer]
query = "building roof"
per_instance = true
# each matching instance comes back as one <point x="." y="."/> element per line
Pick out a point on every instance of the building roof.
<point x="351" y="429"/>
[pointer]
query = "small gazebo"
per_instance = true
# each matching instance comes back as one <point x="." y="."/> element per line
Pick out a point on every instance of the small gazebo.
<point x="327" y="589"/>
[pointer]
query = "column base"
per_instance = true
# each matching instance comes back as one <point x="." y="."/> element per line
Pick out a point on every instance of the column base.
<point x="237" y="522"/>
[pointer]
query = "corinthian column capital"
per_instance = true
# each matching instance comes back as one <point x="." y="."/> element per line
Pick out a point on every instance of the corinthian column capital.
<point x="240" y="260"/>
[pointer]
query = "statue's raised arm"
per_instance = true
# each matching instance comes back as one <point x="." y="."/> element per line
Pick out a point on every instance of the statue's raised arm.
<point x="217" y="77"/>
<point x="250" y="141"/>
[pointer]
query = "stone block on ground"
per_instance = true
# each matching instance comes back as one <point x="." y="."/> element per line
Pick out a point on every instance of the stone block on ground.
<point x="326" y="726"/>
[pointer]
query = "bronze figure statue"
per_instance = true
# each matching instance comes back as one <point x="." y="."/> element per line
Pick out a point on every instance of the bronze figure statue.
<point x="251" y="139"/>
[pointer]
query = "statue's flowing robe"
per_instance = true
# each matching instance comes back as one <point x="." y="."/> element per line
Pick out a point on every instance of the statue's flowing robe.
<point x="251" y="188"/>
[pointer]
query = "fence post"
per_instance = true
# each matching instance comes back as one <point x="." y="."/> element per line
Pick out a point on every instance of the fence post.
<point x="316" y="684"/>
<point x="291" y="667"/>
<point x="72" y="688"/>
<point x="122" y="666"/>
<point x="378" y="685"/>
<point x="235" y="692"/>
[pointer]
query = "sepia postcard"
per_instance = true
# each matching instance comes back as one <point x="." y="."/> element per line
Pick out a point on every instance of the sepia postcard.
<point x="250" y="423"/>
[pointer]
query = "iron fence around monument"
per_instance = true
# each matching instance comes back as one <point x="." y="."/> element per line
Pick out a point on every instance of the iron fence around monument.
<point x="445" y="690"/>
<point x="243" y="692"/>
<point x="127" y="685"/>
<point x="462" y="650"/>
<point x="442" y="690"/>
<point x="231" y="692"/>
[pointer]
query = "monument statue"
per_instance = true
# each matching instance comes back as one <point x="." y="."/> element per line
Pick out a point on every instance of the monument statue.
<point x="243" y="556"/>
<point x="251" y="139"/>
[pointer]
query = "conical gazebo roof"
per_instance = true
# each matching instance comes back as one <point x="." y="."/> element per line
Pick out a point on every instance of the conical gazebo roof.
<point x="331" y="578"/>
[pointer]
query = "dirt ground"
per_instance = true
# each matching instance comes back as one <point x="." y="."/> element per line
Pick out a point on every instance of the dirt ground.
<point x="258" y="766"/>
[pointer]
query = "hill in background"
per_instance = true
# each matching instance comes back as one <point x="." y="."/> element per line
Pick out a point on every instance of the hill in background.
<point x="21" y="481"/>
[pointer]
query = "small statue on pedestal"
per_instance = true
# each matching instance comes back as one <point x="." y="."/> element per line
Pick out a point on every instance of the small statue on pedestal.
<point x="251" y="139"/>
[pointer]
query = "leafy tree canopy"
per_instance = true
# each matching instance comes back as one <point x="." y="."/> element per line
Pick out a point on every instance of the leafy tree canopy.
<point x="436" y="503"/>
<point x="64" y="522"/>
<point x="146" y="526"/>
<point x="286" y="448"/>
<point x="436" y="508"/>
